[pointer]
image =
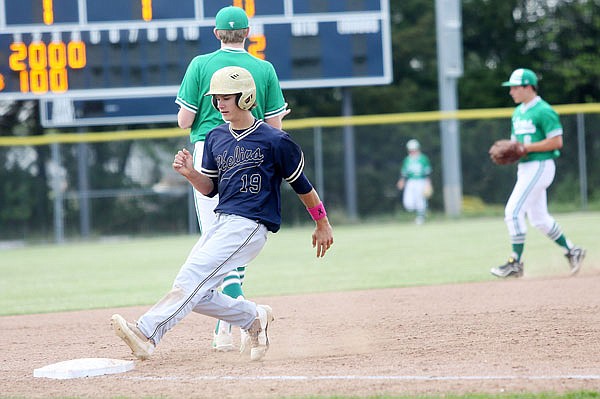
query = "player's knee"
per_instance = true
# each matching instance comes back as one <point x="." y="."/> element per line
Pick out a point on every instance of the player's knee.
<point x="543" y="227"/>
<point x="510" y="214"/>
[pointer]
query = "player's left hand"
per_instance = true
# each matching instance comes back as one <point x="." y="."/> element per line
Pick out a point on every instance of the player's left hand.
<point x="428" y="189"/>
<point x="322" y="237"/>
<point x="505" y="152"/>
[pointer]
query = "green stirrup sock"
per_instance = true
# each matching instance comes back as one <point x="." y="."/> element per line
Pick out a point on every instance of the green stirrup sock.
<point x="518" y="250"/>
<point x="562" y="241"/>
<point x="233" y="290"/>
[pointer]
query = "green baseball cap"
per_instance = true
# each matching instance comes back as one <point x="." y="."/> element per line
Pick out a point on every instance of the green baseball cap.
<point x="231" y="18"/>
<point x="521" y="77"/>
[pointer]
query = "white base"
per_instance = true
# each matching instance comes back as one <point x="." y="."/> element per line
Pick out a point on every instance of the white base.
<point x="87" y="367"/>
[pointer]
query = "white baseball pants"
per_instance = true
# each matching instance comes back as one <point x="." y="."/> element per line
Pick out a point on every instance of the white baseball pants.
<point x="230" y="242"/>
<point x="529" y="198"/>
<point x="205" y="206"/>
<point x="413" y="197"/>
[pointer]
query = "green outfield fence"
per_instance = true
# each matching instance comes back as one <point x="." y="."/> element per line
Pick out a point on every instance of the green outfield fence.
<point x="121" y="182"/>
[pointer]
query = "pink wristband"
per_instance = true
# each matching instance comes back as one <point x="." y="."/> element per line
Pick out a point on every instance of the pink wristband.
<point x="318" y="212"/>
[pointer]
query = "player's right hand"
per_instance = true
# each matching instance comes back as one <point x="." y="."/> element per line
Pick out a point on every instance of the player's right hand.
<point x="287" y="111"/>
<point x="183" y="162"/>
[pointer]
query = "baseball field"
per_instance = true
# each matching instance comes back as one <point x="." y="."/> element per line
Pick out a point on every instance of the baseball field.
<point x="393" y="311"/>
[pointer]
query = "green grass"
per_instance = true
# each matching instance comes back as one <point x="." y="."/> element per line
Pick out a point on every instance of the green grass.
<point x="127" y="272"/>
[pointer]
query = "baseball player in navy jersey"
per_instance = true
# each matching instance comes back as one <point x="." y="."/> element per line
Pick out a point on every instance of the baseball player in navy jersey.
<point x="414" y="181"/>
<point x="197" y="113"/>
<point x="244" y="161"/>
<point x="537" y="126"/>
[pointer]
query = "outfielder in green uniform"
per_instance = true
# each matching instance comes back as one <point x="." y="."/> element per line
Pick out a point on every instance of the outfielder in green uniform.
<point x="414" y="181"/>
<point x="198" y="113"/>
<point x="537" y="126"/>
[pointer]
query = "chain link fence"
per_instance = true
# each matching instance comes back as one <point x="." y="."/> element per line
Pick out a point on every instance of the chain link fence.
<point x="79" y="185"/>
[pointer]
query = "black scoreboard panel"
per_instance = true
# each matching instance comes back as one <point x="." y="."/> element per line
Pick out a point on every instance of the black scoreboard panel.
<point x="81" y="48"/>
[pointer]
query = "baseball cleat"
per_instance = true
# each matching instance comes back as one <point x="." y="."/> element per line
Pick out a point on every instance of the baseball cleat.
<point x="244" y="340"/>
<point x="222" y="338"/>
<point x="575" y="257"/>
<point x="140" y="346"/>
<point x="257" y="333"/>
<point x="512" y="268"/>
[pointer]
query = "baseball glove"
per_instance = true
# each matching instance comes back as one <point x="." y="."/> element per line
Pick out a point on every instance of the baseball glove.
<point x="504" y="152"/>
<point x="428" y="190"/>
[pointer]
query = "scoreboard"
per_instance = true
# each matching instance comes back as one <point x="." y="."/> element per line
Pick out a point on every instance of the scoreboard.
<point x="79" y="49"/>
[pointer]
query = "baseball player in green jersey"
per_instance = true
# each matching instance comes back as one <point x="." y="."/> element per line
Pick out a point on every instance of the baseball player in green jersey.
<point x="415" y="181"/>
<point x="537" y="126"/>
<point x="197" y="112"/>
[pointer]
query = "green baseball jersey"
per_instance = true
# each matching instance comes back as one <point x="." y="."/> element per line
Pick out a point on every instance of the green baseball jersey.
<point x="415" y="167"/>
<point x="196" y="83"/>
<point x="535" y="122"/>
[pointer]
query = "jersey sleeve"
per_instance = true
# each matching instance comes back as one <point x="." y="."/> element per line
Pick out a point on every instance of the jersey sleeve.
<point x="426" y="165"/>
<point x="404" y="169"/>
<point x="550" y="123"/>
<point x="275" y="101"/>
<point x="290" y="159"/>
<point x="188" y="94"/>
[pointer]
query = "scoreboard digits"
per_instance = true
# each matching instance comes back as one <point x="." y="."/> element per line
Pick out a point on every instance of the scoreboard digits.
<point x="42" y="67"/>
<point x="247" y="5"/>
<point x="81" y="47"/>
<point x="48" y="12"/>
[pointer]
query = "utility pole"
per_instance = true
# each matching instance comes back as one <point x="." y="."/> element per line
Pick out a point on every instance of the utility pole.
<point x="450" y="67"/>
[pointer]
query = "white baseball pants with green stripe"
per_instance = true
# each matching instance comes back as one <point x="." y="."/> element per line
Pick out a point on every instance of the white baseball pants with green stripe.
<point x="529" y="198"/>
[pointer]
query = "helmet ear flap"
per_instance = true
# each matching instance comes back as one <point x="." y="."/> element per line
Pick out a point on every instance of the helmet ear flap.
<point x="246" y="100"/>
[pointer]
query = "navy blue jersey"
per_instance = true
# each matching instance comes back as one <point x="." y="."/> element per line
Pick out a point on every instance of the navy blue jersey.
<point x="248" y="167"/>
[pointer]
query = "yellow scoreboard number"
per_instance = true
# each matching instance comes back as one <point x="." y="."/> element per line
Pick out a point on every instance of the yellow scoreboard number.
<point x="258" y="43"/>
<point x="43" y="68"/>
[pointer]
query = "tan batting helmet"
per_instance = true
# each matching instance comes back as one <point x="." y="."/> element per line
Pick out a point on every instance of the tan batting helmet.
<point x="234" y="80"/>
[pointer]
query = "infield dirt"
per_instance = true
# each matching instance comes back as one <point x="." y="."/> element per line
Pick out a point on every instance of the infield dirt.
<point x="527" y="335"/>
